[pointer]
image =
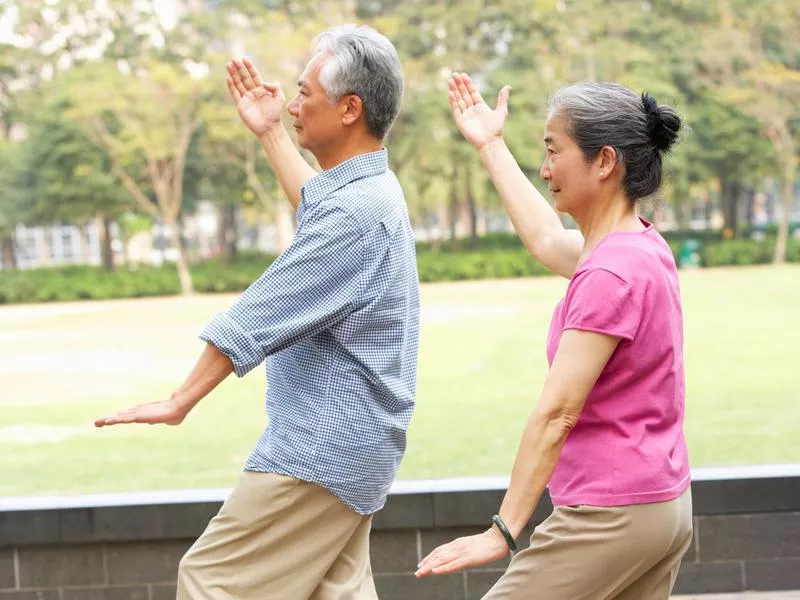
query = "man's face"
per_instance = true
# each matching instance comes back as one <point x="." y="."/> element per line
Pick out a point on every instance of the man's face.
<point x="317" y="121"/>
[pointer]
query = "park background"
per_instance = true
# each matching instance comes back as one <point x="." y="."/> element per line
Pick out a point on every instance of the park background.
<point x="134" y="206"/>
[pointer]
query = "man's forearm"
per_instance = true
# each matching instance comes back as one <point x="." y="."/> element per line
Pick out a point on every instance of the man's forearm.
<point x="210" y="370"/>
<point x="286" y="161"/>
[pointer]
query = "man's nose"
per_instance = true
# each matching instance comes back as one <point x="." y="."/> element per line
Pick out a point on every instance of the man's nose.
<point x="292" y="107"/>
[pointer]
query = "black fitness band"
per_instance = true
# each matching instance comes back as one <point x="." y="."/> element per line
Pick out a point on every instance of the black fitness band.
<point x="504" y="530"/>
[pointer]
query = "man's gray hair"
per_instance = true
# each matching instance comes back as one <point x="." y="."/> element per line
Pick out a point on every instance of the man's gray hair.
<point x="365" y="63"/>
<point x="639" y="129"/>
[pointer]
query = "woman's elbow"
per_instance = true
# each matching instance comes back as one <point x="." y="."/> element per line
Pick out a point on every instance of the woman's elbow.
<point x="559" y="423"/>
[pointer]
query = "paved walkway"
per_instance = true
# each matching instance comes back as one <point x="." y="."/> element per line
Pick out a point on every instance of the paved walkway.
<point x="744" y="596"/>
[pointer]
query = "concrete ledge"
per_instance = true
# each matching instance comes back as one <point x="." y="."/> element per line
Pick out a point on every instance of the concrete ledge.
<point x="747" y="537"/>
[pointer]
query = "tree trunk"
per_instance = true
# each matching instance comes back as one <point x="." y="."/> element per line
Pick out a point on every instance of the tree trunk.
<point x="83" y="239"/>
<point x="103" y="224"/>
<point x="750" y="207"/>
<point x="184" y="275"/>
<point x="472" y="209"/>
<point x="46" y="254"/>
<point x="228" y="233"/>
<point x="786" y="212"/>
<point x="729" y="192"/>
<point x="9" y="253"/>
<point x="453" y="210"/>
<point x="284" y="225"/>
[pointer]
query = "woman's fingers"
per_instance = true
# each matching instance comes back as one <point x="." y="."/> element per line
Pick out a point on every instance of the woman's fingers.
<point x="244" y="75"/>
<point x="459" y="100"/>
<point x="235" y="76"/>
<point x="472" y="89"/>
<point x="442" y="555"/>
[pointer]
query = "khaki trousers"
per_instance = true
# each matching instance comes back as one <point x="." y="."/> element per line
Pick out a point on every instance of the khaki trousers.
<point x="278" y="538"/>
<point x="601" y="553"/>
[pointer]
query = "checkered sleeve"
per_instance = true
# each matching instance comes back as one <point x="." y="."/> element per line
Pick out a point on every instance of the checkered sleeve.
<point x="313" y="285"/>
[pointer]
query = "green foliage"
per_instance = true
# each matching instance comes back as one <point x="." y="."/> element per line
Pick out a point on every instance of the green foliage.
<point x="737" y="252"/>
<point x="497" y="256"/>
<point x="148" y="122"/>
<point x="66" y="284"/>
<point x="481" y="264"/>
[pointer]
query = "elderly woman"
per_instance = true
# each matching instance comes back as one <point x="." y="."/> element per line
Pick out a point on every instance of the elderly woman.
<point x="606" y="436"/>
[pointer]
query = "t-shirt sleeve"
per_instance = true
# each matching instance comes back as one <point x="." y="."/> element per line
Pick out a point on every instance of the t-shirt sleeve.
<point x="601" y="301"/>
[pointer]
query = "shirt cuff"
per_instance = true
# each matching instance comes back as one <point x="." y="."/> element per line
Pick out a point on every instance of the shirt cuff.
<point x="233" y="341"/>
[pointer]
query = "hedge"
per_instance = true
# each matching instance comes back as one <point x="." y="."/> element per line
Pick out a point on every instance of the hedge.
<point x="495" y="256"/>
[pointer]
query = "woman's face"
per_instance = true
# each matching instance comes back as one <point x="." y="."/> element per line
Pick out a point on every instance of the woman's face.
<point x="568" y="174"/>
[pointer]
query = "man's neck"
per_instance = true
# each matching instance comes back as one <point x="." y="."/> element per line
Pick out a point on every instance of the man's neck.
<point x="336" y="154"/>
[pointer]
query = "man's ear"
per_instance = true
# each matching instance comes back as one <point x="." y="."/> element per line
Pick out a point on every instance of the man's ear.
<point x="353" y="109"/>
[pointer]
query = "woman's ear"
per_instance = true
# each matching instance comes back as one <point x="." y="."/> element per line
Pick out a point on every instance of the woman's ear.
<point x="606" y="161"/>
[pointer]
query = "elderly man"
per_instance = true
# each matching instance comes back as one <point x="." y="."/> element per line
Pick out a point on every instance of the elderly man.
<point x="336" y="317"/>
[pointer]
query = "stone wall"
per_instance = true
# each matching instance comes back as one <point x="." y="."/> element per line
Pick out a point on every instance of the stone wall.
<point x="127" y="547"/>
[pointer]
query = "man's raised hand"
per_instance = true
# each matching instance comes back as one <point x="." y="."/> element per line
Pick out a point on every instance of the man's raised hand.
<point x="260" y="104"/>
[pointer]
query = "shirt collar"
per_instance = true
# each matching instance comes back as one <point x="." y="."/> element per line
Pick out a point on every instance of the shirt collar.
<point x="358" y="167"/>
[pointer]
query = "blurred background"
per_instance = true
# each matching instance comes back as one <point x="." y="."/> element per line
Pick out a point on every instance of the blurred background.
<point x="134" y="205"/>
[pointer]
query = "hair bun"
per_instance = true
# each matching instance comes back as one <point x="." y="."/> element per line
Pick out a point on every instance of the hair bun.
<point x="663" y="123"/>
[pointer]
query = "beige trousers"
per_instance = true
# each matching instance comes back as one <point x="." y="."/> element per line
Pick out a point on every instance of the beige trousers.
<point x="601" y="553"/>
<point x="278" y="538"/>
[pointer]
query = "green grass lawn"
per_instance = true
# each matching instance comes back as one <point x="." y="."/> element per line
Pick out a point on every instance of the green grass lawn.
<point x="482" y="365"/>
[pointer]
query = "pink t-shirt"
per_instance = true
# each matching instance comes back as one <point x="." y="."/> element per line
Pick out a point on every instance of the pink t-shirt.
<point x="628" y="445"/>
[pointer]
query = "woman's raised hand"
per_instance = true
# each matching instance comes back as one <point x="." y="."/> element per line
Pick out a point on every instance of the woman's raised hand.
<point x="478" y="123"/>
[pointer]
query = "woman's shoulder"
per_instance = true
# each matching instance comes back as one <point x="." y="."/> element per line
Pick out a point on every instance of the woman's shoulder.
<point x="631" y="256"/>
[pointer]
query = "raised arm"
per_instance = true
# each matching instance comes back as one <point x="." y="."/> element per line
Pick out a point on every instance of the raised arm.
<point x="260" y="106"/>
<point x="535" y="221"/>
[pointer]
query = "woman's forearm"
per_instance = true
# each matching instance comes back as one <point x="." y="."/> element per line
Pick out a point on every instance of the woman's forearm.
<point x="542" y="440"/>
<point x="535" y="221"/>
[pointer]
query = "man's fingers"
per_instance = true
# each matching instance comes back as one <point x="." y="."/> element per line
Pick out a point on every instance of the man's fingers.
<point x="472" y="89"/>
<point x="112" y="420"/>
<point x="502" y="98"/>
<point x="274" y="89"/>
<point x="252" y="72"/>
<point x="232" y="90"/>
<point x="463" y="91"/>
<point x="130" y="415"/>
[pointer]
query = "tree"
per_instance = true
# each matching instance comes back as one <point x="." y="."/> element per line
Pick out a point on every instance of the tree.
<point x="70" y="179"/>
<point x="145" y="122"/>
<point x="760" y="73"/>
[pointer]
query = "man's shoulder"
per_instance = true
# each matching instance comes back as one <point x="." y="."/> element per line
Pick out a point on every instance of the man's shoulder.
<point x="370" y="199"/>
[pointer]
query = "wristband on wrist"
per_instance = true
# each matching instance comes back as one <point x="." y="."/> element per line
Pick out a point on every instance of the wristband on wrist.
<point x="506" y="534"/>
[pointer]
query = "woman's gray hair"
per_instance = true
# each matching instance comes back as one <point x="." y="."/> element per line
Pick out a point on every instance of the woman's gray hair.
<point x="365" y="63"/>
<point x="637" y="127"/>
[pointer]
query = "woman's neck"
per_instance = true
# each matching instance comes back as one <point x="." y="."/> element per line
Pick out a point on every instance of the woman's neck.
<point x="617" y="214"/>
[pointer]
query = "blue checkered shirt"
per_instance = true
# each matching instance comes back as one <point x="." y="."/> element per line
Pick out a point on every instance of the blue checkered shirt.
<point x="336" y="317"/>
